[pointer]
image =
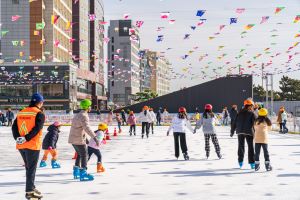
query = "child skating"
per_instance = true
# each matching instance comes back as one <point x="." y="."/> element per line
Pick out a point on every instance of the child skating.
<point x="49" y="145"/>
<point x="119" y="122"/>
<point x="132" y="122"/>
<point x="180" y="125"/>
<point x="207" y="122"/>
<point x="262" y="127"/>
<point x="93" y="148"/>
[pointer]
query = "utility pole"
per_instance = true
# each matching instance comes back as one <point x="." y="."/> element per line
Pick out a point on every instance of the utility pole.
<point x="269" y="85"/>
<point x="262" y="74"/>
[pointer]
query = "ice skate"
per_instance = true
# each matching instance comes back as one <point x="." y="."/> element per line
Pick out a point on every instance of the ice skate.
<point x="186" y="156"/>
<point x="257" y="166"/>
<point x="100" y="168"/>
<point x="33" y="195"/>
<point x="142" y="136"/>
<point x="241" y="164"/>
<point x="219" y="156"/>
<point x="84" y="176"/>
<point x="268" y="166"/>
<point x="43" y="164"/>
<point x="252" y="165"/>
<point x="207" y="155"/>
<point x="55" y="164"/>
<point x="76" y="172"/>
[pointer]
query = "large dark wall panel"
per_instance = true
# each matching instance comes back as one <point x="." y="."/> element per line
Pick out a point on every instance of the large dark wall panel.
<point x="221" y="92"/>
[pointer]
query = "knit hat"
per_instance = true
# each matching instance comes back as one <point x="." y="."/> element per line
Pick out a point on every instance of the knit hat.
<point x="37" y="98"/>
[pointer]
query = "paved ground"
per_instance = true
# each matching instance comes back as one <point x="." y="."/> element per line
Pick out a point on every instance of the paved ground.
<point x="146" y="169"/>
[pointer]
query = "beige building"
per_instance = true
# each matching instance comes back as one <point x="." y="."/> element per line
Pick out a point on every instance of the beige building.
<point x="160" y="79"/>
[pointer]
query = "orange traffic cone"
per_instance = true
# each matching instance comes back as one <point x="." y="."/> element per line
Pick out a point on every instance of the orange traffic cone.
<point x="75" y="156"/>
<point x="115" y="132"/>
<point x="107" y="135"/>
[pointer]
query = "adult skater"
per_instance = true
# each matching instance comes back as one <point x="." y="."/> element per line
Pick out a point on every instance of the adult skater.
<point x="153" y="117"/>
<point x="244" y="127"/>
<point x="225" y="115"/>
<point x="123" y="114"/>
<point x="208" y="121"/>
<point x="180" y="124"/>
<point x="145" y="118"/>
<point x="158" y="117"/>
<point x="165" y="116"/>
<point x="9" y="116"/>
<point x="233" y="113"/>
<point x="78" y="137"/>
<point x="27" y="131"/>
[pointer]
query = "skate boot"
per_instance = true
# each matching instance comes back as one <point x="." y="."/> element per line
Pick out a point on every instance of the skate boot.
<point x="219" y="155"/>
<point x="252" y="165"/>
<point x="43" y="164"/>
<point x="76" y="172"/>
<point x="100" y="168"/>
<point x="186" y="156"/>
<point x="241" y="164"/>
<point x="134" y="134"/>
<point x="268" y="166"/>
<point x="207" y="155"/>
<point x="33" y="195"/>
<point x="147" y="135"/>
<point x="84" y="176"/>
<point x="55" y="164"/>
<point x="142" y="136"/>
<point x="257" y="165"/>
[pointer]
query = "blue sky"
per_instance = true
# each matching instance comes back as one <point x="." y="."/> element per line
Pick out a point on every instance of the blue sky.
<point x="218" y="12"/>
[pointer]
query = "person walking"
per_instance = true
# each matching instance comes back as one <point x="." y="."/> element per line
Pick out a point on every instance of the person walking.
<point x="282" y="119"/>
<point x="9" y="116"/>
<point x="165" y="116"/>
<point x="180" y="125"/>
<point x="208" y="121"/>
<point x="132" y="122"/>
<point x="145" y="118"/>
<point x="158" y="117"/>
<point x="78" y="138"/>
<point x="123" y="114"/>
<point x="2" y="119"/>
<point x="153" y="120"/>
<point x="244" y="127"/>
<point x="262" y="127"/>
<point x="27" y="131"/>
<point x="233" y="113"/>
<point x="225" y="115"/>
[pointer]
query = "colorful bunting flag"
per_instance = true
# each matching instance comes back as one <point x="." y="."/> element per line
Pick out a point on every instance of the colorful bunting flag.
<point x="36" y="33"/>
<point x="126" y="15"/>
<point x="54" y="19"/>
<point x="92" y="17"/>
<point x="249" y="26"/>
<point x="200" y="13"/>
<point x="240" y="10"/>
<point x="297" y="18"/>
<point x="4" y="32"/>
<point x="172" y="21"/>
<point x="40" y="26"/>
<point x="264" y="19"/>
<point x="221" y="27"/>
<point x="233" y="20"/>
<point x="278" y="9"/>
<point x="15" y="18"/>
<point x="164" y="15"/>
<point x="139" y="23"/>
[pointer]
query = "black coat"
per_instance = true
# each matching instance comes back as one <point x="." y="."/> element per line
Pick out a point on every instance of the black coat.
<point x="233" y="113"/>
<point x="244" y="123"/>
<point x="51" y="137"/>
<point x="2" y="118"/>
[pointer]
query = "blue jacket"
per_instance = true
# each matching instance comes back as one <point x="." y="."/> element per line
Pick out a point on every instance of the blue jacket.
<point x="10" y="115"/>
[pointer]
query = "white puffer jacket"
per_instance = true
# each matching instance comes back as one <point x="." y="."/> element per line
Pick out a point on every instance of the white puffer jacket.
<point x="145" y="118"/>
<point x="180" y="125"/>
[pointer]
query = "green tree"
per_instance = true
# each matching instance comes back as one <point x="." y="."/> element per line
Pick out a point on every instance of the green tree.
<point x="145" y="95"/>
<point x="259" y="93"/>
<point x="290" y="88"/>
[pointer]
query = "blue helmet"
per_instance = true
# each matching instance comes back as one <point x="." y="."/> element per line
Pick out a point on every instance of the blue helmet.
<point x="37" y="98"/>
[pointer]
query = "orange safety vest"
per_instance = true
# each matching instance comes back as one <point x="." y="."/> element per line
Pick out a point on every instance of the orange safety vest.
<point x="26" y="122"/>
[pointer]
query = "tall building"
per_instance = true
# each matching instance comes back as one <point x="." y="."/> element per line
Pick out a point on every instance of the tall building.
<point x="124" y="63"/>
<point x="160" y="80"/>
<point x="57" y="31"/>
<point x="145" y="71"/>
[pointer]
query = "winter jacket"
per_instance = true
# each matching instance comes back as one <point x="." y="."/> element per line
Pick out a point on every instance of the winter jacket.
<point x="279" y="117"/>
<point x="233" y="113"/>
<point x="51" y="138"/>
<point x="244" y="123"/>
<point x="2" y="118"/>
<point x="207" y="124"/>
<point x="80" y="128"/>
<point x="131" y="120"/>
<point x="225" y="114"/>
<point x="158" y="115"/>
<point x="100" y="136"/>
<point x="10" y="115"/>
<point x="153" y="116"/>
<point x="123" y="115"/>
<point x="261" y="133"/>
<point x="284" y="117"/>
<point x="180" y="125"/>
<point x="145" y="117"/>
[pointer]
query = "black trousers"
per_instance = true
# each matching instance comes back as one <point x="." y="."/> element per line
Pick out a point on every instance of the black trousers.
<point x="132" y="129"/>
<point x="151" y="126"/>
<point x="158" y="121"/>
<point x="257" y="151"/>
<point x="241" y="148"/>
<point x="81" y="160"/>
<point x="123" y="120"/>
<point x="31" y="158"/>
<point x="145" y="128"/>
<point x="97" y="152"/>
<point x="182" y="138"/>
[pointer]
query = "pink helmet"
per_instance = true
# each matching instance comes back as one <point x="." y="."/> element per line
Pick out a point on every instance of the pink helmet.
<point x="57" y="124"/>
<point x="208" y="107"/>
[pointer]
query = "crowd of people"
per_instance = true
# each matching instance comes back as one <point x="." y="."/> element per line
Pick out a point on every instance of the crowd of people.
<point x="250" y="123"/>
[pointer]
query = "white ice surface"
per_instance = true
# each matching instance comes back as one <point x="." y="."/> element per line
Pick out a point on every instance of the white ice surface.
<point x="146" y="169"/>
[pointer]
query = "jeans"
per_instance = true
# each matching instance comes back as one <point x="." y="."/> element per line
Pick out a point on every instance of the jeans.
<point x="132" y="129"/>
<point x="241" y="148"/>
<point x="31" y="158"/>
<point x="145" y="128"/>
<point x="182" y="138"/>
<point x="284" y="128"/>
<point x="225" y="121"/>
<point x="97" y="152"/>
<point x="158" y="121"/>
<point x="9" y="122"/>
<point x="81" y="160"/>
<point x="119" y="125"/>
<point x="257" y="151"/>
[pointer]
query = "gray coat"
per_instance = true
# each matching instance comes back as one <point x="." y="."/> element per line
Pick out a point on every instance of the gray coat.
<point x="207" y="124"/>
<point x="80" y="128"/>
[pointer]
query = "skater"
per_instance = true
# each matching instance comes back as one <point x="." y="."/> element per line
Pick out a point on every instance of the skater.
<point x="262" y="127"/>
<point x="153" y="117"/>
<point x="93" y="148"/>
<point x="225" y="116"/>
<point x="158" y="117"/>
<point x="132" y="122"/>
<point x="78" y="136"/>
<point x="109" y="118"/>
<point x="119" y="121"/>
<point x="233" y="113"/>
<point x="208" y="121"/>
<point x="27" y="131"/>
<point x="165" y="116"/>
<point x="197" y="116"/>
<point x="49" y="145"/>
<point x="2" y="119"/>
<point x="123" y="114"/>
<point x="282" y="119"/>
<point x="9" y="116"/>
<point x="244" y="127"/>
<point x="180" y="124"/>
<point x="145" y="118"/>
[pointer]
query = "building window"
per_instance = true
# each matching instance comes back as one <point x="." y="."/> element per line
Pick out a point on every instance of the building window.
<point x="112" y="56"/>
<point x="51" y="90"/>
<point x="113" y="73"/>
<point x="112" y="48"/>
<point x="113" y="83"/>
<point x="112" y="40"/>
<point x="15" y="2"/>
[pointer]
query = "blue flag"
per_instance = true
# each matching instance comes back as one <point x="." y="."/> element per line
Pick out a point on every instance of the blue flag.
<point x="233" y="20"/>
<point x="200" y="13"/>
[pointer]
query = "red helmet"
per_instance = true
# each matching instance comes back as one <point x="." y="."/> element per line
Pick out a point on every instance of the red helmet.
<point x="208" y="107"/>
<point x="182" y="109"/>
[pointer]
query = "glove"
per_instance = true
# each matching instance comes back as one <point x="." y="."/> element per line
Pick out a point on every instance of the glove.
<point x="50" y="148"/>
<point x="21" y="140"/>
<point x="97" y="141"/>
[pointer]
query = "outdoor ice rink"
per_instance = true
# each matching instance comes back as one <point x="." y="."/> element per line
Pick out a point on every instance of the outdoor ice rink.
<point x="147" y="169"/>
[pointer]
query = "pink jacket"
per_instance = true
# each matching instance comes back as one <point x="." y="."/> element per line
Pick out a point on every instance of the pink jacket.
<point x="131" y="120"/>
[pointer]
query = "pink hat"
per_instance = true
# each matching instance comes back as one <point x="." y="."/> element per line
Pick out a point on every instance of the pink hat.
<point x="57" y="124"/>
